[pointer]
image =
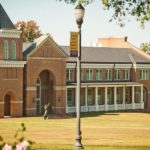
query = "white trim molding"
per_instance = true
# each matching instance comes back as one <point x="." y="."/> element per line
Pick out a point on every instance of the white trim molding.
<point x="143" y="66"/>
<point x="71" y="65"/>
<point x="11" y="33"/>
<point x="12" y="64"/>
<point x="31" y="88"/>
<point x="99" y="66"/>
<point x="127" y="66"/>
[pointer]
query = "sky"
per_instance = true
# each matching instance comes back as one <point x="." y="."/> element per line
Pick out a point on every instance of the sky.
<point x="57" y="18"/>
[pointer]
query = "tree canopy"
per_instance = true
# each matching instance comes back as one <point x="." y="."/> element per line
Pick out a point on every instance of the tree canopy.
<point x="145" y="47"/>
<point x="140" y="9"/>
<point x="30" y="30"/>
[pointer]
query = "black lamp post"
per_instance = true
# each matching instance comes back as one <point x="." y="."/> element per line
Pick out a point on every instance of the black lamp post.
<point x="79" y="14"/>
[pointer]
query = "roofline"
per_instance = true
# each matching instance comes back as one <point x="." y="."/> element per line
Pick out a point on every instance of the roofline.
<point x="109" y="62"/>
<point x="138" y="50"/>
<point x="47" y="38"/>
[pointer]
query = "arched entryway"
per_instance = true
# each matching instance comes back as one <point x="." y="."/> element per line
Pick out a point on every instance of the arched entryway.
<point x="45" y="91"/>
<point x="7" y="103"/>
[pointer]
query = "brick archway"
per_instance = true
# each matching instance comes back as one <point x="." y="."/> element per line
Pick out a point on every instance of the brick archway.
<point x="8" y="98"/>
<point x="45" y="91"/>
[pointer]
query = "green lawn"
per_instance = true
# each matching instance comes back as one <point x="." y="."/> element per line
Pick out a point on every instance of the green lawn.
<point x="100" y="131"/>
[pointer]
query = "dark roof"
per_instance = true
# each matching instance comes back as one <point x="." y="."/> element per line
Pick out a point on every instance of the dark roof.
<point x="28" y="47"/>
<point x="5" y="22"/>
<point x="108" y="55"/>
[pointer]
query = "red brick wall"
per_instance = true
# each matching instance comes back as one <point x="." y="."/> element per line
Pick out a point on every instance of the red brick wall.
<point x="18" y="47"/>
<point x="53" y="62"/>
<point x="12" y="82"/>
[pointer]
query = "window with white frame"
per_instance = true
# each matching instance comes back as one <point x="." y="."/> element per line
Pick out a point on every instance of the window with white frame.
<point x="90" y="96"/>
<point x="89" y="74"/>
<point x="100" y="100"/>
<point x="5" y="49"/>
<point x="98" y="74"/>
<point x="109" y="96"/>
<point x="118" y="95"/>
<point x="127" y="95"/>
<point x="108" y="74"/>
<point x="38" y="96"/>
<point x="82" y="75"/>
<point x="13" y="50"/>
<point x="70" y="97"/>
<point x="117" y="74"/>
<point x="82" y="97"/>
<point x="143" y="74"/>
<point x="69" y="74"/>
<point x="126" y="75"/>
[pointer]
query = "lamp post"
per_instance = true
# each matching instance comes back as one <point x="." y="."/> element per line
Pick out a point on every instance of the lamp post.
<point x="79" y="14"/>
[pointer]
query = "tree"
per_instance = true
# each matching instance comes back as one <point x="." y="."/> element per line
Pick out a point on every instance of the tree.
<point x="145" y="47"/>
<point x="140" y="9"/>
<point x="30" y="30"/>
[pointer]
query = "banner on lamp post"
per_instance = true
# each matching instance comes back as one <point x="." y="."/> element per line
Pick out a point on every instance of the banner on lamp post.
<point x="74" y="44"/>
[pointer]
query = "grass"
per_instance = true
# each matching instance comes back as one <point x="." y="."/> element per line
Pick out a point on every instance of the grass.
<point x="100" y="131"/>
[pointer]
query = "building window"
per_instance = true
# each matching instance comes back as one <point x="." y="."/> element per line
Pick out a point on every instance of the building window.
<point x="5" y="49"/>
<point x="69" y="74"/>
<point x="100" y="98"/>
<point x="13" y="50"/>
<point x="89" y="74"/>
<point x="126" y="75"/>
<point x="70" y="96"/>
<point x="90" y="96"/>
<point x="38" y="96"/>
<point x="82" y="75"/>
<point x="143" y="74"/>
<point x="117" y="75"/>
<point x="118" y="95"/>
<point x="109" y="96"/>
<point x="127" y="95"/>
<point x="144" y="95"/>
<point x="108" y="74"/>
<point x="99" y="74"/>
<point x="82" y="101"/>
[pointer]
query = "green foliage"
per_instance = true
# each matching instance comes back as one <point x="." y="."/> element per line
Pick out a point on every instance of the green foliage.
<point x="19" y="138"/>
<point x="85" y="2"/>
<point x="140" y="9"/>
<point x="145" y="47"/>
<point x="30" y="30"/>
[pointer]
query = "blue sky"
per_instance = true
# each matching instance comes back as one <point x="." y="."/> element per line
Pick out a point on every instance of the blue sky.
<point x="57" y="18"/>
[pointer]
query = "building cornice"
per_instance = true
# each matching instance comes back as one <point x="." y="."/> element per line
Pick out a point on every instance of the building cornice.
<point x="89" y="65"/>
<point x="119" y="66"/>
<point x="142" y="66"/>
<point x="12" y="33"/>
<point x="12" y="64"/>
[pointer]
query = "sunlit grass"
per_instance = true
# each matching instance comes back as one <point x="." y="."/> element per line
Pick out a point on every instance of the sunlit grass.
<point x="104" y="131"/>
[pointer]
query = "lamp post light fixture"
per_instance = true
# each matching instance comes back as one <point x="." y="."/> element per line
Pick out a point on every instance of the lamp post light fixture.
<point x="79" y="14"/>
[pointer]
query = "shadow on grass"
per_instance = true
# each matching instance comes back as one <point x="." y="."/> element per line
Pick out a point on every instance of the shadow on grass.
<point x="95" y="114"/>
<point x="88" y="147"/>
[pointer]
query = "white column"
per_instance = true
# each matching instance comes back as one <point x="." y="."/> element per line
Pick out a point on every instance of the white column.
<point x="133" y="97"/>
<point x="106" y="105"/>
<point x="96" y="98"/>
<point x="115" y="98"/>
<point x="124" y="97"/>
<point x="86" y="103"/>
<point x="142" y="98"/>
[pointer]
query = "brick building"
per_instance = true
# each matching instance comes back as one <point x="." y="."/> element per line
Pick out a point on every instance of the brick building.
<point x="114" y="76"/>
